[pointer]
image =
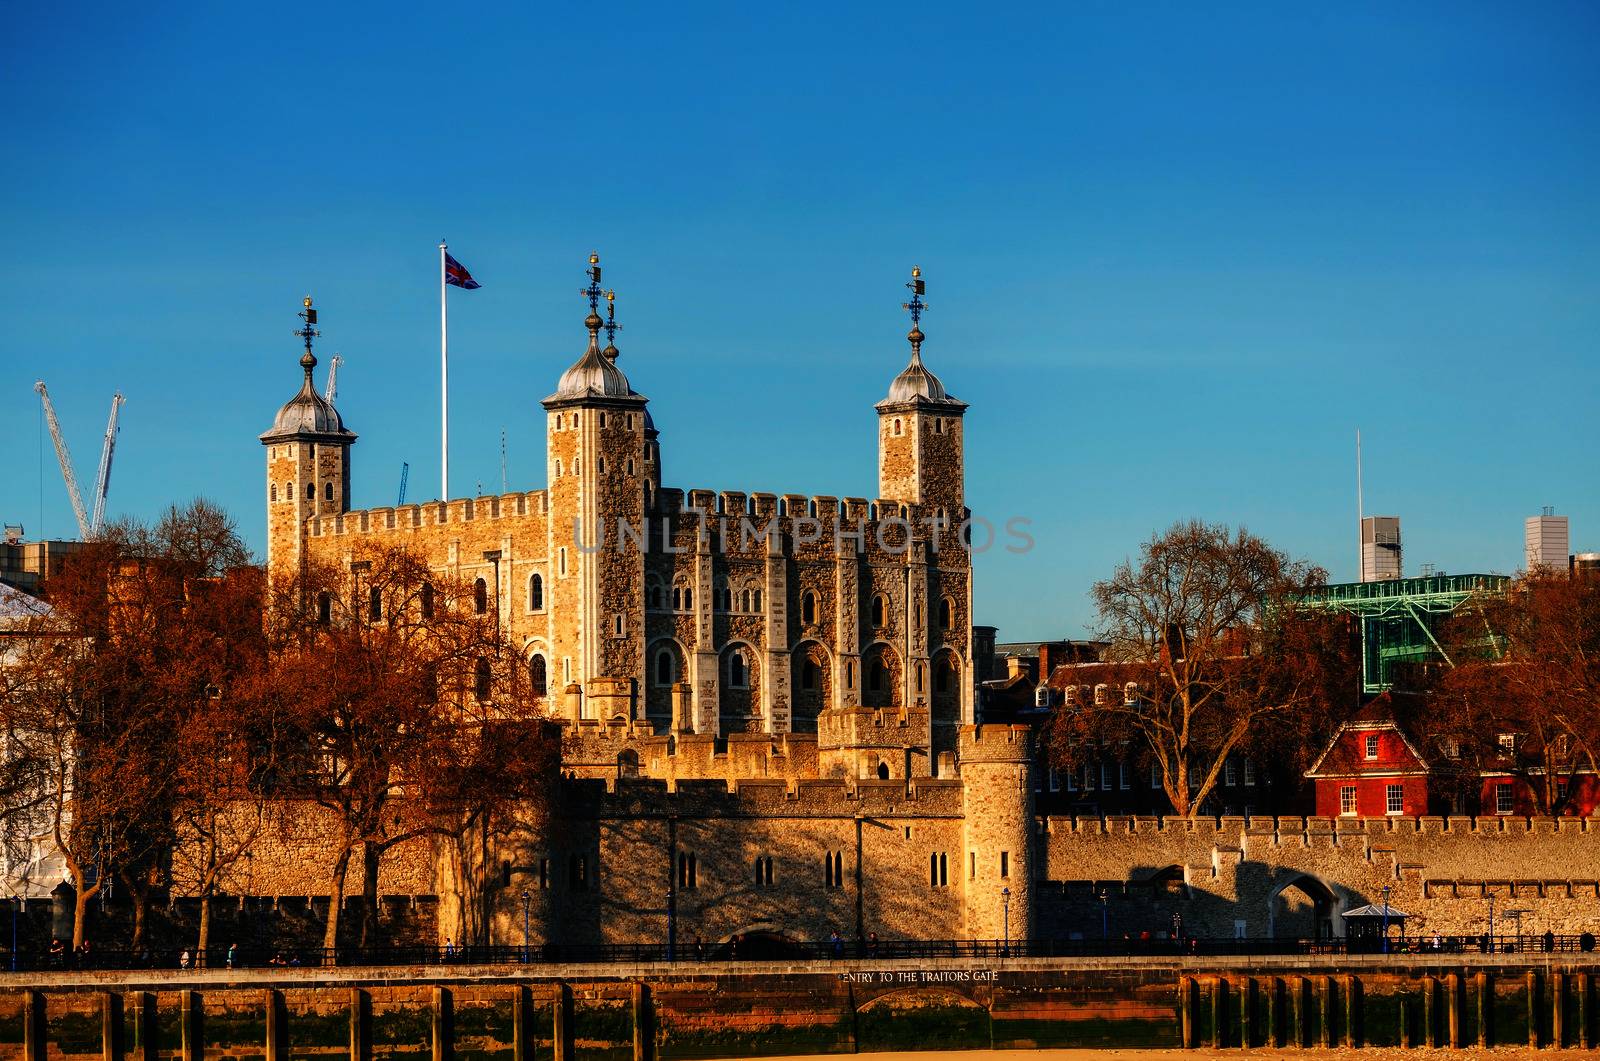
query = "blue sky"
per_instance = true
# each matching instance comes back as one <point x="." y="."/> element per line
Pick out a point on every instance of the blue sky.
<point x="1176" y="254"/>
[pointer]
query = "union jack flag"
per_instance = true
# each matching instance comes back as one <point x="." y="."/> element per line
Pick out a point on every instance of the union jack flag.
<point x="456" y="275"/>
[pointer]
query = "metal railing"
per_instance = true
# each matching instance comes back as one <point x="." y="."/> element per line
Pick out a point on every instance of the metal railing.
<point x="767" y="949"/>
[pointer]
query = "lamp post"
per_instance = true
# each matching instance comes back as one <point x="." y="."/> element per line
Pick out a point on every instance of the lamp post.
<point x="1105" y="917"/>
<point x="525" y="899"/>
<point x="1177" y="926"/>
<point x="1005" y="901"/>
<point x="1386" y="919"/>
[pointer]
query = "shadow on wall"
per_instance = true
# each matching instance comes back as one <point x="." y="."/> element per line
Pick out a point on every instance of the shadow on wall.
<point x="1156" y="902"/>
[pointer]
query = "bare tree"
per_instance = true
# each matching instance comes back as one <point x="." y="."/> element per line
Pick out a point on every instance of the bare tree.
<point x="1208" y="657"/>
<point x="415" y="718"/>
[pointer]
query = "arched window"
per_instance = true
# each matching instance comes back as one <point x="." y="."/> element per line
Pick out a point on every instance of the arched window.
<point x="808" y="676"/>
<point x="883" y="771"/>
<point x="878" y="610"/>
<point x="627" y="763"/>
<point x="757" y="600"/>
<point x="427" y="600"/>
<point x="919" y="677"/>
<point x="944" y="613"/>
<point x="738" y="677"/>
<point x="324" y="609"/>
<point x="274" y="491"/>
<point x="480" y="596"/>
<point x="481" y="679"/>
<point x="1130" y="693"/>
<point x="375" y="603"/>
<point x="665" y="669"/>
<point x="898" y="426"/>
<point x="535" y="592"/>
<point x="677" y="598"/>
<point x="688" y="599"/>
<point x="311" y="491"/>
<point x="327" y="490"/>
<point x="558" y="469"/>
<point x="808" y="607"/>
<point x="538" y="676"/>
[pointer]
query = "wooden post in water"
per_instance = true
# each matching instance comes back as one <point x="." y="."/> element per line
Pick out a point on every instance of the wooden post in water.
<point x="1452" y="1005"/>
<point x="443" y="1040"/>
<point x="189" y="1026"/>
<point x="1302" y="1004"/>
<point x="1405" y="1022"/>
<point x="110" y="1026"/>
<point x="1558" y="995"/>
<point x="521" y="1028"/>
<point x="1247" y="1007"/>
<point x="276" y="1041"/>
<point x="1430" y="1011"/>
<point x="360" y="1025"/>
<point x="1219" y="1010"/>
<point x="144" y="1027"/>
<point x="1352" y="1011"/>
<point x="1275" y="1012"/>
<point x="33" y="1031"/>
<point x="562" y="1042"/>
<point x="641" y="1022"/>
<point x="1325" y="1011"/>
<point x="1583" y="1010"/>
<point x="1186" y="1004"/>
<point x="1531" y="987"/>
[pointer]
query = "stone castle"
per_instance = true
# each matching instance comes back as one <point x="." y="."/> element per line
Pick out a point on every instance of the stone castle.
<point x="770" y="720"/>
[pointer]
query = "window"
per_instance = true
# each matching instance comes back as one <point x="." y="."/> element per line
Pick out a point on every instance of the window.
<point x="1347" y="800"/>
<point x="535" y="592"/>
<point x="1005" y="863"/>
<point x="1130" y="692"/>
<point x="1053" y="780"/>
<point x="899" y="426"/>
<point x="274" y="491"/>
<point x="1155" y="775"/>
<point x="616" y="625"/>
<point x="480" y="596"/>
<point x="943" y="671"/>
<point x="972" y="865"/>
<point x="311" y="491"/>
<point x="1105" y="775"/>
<point x="1072" y="779"/>
<point x="481" y="679"/>
<point x="883" y="771"/>
<point x="808" y="607"/>
<point x="1504" y="800"/>
<point x="1230" y="774"/>
<point x="1124" y="774"/>
<point x="324" y="609"/>
<point x="1508" y="742"/>
<point x="938" y="871"/>
<point x="808" y="676"/>
<point x="833" y="869"/>
<point x="688" y="870"/>
<point x="875" y="676"/>
<point x="1394" y="799"/>
<point x="944" y="613"/>
<point x="1101" y="697"/>
<point x="764" y="871"/>
<point x="1249" y="771"/>
<point x="427" y="600"/>
<point x="652" y="595"/>
<point x="738" y="677"/>
<point x="757" y="600"/>
<point x="327" y="490"/>
<point x="664" y="668"/>
<point x="1372" y="746"/>
<point x="544" y="873"/>
<point x="375" y="603"/>
<point x="558" y="470"/>
<point x="878" y="610"/>
<point x="538" y="679"/>
<point x="561" y="560"/>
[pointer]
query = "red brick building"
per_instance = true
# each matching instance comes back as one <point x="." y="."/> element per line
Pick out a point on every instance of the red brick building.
<point x="1371" y="768"/>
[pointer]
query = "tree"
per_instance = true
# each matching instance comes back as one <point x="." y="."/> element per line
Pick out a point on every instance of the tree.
<point x="1208" y="656"/>
<point x="1521" y="695"/>
<point x="412" y="717"/>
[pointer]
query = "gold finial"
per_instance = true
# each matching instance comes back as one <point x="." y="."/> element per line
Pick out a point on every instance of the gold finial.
<point x="916" y="271"/>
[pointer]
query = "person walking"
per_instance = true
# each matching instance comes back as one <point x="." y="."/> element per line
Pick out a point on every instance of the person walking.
<point x="233" y="952"/>
<point x="183" y="959"/>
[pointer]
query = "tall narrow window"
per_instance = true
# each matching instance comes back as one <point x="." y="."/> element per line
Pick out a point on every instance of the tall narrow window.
<point x="757" y="600"/>
<point x="944" y="614"/>
<point x="738" y="678"/>
<point x="808" y="607"/>
<point x="1372" y="746"/>
<point x="878" y="609"/>
<point x="327" y="490"/>
<point x="480" y="596"/>
<point x="1505" y="800"/>
<point x="538" y="678"/>
<point x="808" y="676"/>
<point x="1394" y="799"/>
<point x="1005" y="863"/>
<point x="875" y="676"/>
<point x="535" y="592"/>
<point x="311" y="491"/>
<point x="274" y="491"/>
<point x="1347" y="800"/>
<point x="664" y="668"/>
<point x="481" y="679"/>
<point x="688" y="870"/>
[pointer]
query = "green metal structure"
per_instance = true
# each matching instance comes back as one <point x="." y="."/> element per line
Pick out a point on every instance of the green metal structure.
<point x="1400" y="618"/>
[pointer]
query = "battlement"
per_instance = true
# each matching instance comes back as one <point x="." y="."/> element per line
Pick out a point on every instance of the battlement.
<point x="994" y="743"/>
<point x="759" y="797"/>
<point x="874" y="727"/>
<point x="512" y="506"/>
<point x="1233" y="828"/>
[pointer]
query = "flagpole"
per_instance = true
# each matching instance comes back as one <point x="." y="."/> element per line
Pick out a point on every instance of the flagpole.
<point x="444" y="385"/>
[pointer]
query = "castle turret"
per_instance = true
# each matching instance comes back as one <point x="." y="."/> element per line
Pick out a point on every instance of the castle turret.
<point x="998" y="824"/>
<point x="308" y="462"/>
<point x="596" y="428"/>
<point x="919" y="430"/>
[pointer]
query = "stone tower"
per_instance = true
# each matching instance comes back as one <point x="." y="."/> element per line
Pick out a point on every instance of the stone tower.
<point x="596" y="428"/>
<point x="997" y="818"/>
<point x="919" y="430"/>
<point x="308" y="462"/>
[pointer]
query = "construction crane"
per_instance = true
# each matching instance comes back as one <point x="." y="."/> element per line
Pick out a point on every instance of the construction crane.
<point x="405" y="473"/>
<point x="88" y="525"/>
<point x="333" y="378"/>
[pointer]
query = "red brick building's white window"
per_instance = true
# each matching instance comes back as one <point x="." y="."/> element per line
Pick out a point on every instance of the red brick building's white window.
<point x="1347" y="800"/>
<point x="1504" y="801"/>
<point x="1394" y="799"/>
<point x="1372" y="746"/>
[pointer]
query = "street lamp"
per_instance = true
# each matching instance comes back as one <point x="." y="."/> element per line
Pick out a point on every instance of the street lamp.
<point x="525" y="899"/>
<point x="1177" y="926"/>
<point x="1105" y="917"/>
<point x="1386" y="919"/>
<point x="1005" y="900"/>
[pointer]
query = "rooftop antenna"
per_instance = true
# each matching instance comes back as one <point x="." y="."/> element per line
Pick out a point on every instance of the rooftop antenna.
<point x="1361" y="514"/>
<point x="333" y="378"/>
<point x="504" y="488"/>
